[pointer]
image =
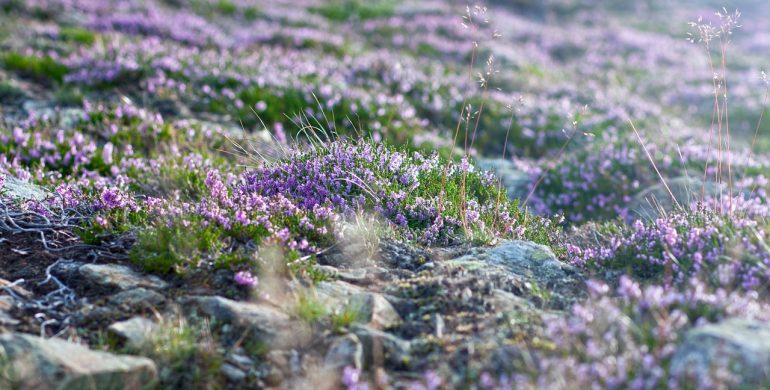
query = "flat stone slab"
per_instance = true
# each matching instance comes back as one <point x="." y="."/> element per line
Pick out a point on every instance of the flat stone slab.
<point x="37" y="363"/>
<point x="113" y="276"/>
<point x="739" y="345"/>
<point x="135" y="331"/>
<point x="522" y="258"/>
<point x="262" y="321"/>
<point x="137" y="297"/>
<point x="21" y="190"/>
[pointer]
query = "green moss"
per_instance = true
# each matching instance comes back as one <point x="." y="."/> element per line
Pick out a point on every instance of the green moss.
<point x="343" y="10"/>
<point x="251" y="13"/>
<point x="69" y="96"/>
<point x="77" y="35"/>
<point x="226" y="7"/>
<point x="43" y="69"/>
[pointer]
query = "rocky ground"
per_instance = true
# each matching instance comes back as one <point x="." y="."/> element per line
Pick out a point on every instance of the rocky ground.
<point x="383" y="194"/>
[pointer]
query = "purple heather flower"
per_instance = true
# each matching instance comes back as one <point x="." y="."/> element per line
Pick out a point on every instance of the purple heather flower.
<point x="107" y="153"/>
<point x="351" y="378"/>
<point x="241" y="217"/>
<point x="465" y="165"/>
<point x="246" y="278"/>
<point x="112" y="198"/>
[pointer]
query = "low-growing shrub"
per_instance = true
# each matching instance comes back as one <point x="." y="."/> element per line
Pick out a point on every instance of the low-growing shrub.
<point x="297" y="202"/>
<point x="726" y="249"/>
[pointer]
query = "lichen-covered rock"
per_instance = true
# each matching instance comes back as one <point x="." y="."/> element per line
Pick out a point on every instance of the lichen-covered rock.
<point x="738" y="345"/>
<point x="375" y="310"/>
<point x="119" y="277"/>
<point x="521" y="258"/>
<point x="381" y="347"/>
<point x="265" y="322"/>
<point x="21" y="190"/>
<point x="35" y="363"/>
<point x="134" y="332"/>
<point x="137" y="297"/>
<point x="336" y="294"/>
<point x="345" y="351"/>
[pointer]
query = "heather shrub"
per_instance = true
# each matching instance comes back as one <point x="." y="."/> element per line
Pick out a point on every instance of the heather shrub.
<point x="626" y="338"/>
<point x="428" y="199"/>
<point x="600" y="180"/>
<point x="108" y="142"/>
<point x="295" y="203"/>
<point x="595" y="182"/>
<point x="725" y="249"/>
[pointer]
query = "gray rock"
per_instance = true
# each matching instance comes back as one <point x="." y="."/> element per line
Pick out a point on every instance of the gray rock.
<point x="522" y="258"/>
<point x="232" y="373"/>
<point x="336" y="294"/>
<point x="505" y="301"/>
<point x="134" y="332"/>
<point x="21" y="190"/>
<point x="345" y="351"/>
<point x="266" y="322"/>
<point x="69" y="117"/>
<point x="653" y="202"/>
<point x="36" y="363"/>
<point x="515" y="181"/>
<point x="328" y="270"/>
<point x="380" y="346"/>
<point x="113" y="276"/>
<point x="740" y="345"/>
<point x="6" y="305"/>
<point x="240" y="360"/>
<point x="137" y="297"/>
<point x="375" y="310"/>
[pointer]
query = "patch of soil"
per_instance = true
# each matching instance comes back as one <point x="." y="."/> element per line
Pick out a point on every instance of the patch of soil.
<point x="24" y="257"/>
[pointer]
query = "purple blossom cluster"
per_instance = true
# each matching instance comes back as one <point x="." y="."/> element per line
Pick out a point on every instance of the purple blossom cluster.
<point x="401" y="187"/>
<point x="726" y="248"/>
<point x="601" y="180"/>
<point x="626" y="338"/>
<point x="214" y="66"/>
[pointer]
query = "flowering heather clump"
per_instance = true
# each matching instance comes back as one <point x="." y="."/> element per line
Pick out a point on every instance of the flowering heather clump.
<point x="595" y="182"/>
<point x="410" y="190"/>
<point x="626" y="339"/>
<point x="295" y="203"/>
<point x="599" y="181"/>
<point x="245" y="278"/>
<point x="726" y="249"/>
